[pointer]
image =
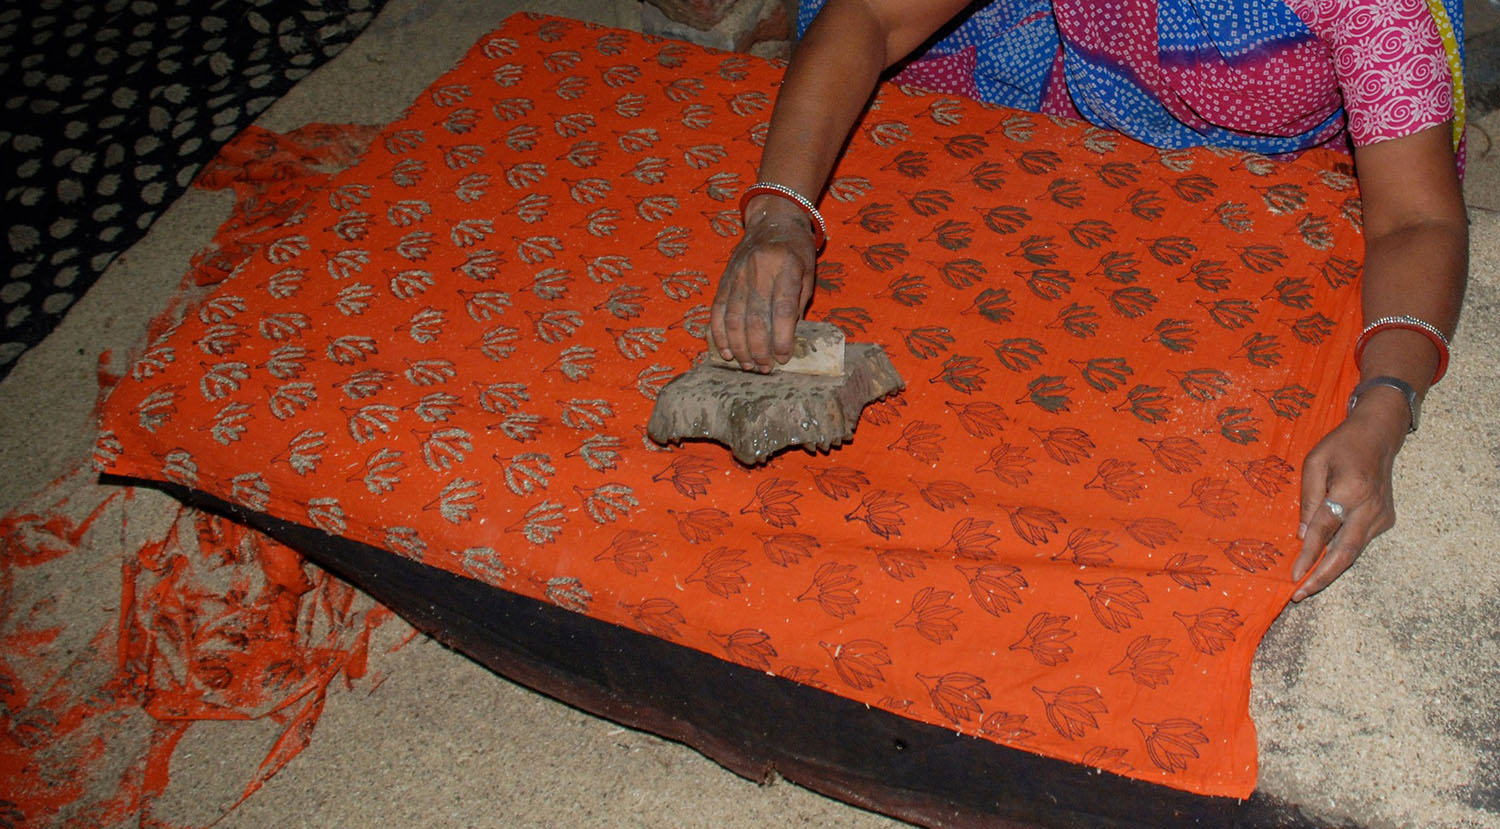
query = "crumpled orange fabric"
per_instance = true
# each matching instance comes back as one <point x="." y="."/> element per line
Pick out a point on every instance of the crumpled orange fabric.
<point x="204" y="619"/>
<point x="1066" y="535"/>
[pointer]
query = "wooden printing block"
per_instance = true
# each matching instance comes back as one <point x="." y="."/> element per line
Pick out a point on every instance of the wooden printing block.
<point x="813" y="401"/>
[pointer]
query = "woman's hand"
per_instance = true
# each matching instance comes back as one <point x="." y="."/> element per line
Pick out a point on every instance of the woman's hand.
<point x="1351" y="466"/>
<point x="766" y="286"/>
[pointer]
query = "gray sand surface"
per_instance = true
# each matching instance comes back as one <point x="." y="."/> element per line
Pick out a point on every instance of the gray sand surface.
<point x="1378" y="700"/>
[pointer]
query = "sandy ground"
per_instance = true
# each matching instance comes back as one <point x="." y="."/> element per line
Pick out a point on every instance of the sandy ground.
<point x="1377" y="701"/>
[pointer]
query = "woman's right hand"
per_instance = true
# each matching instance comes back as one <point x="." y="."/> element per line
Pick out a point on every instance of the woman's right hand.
<point x="766" y="286"/>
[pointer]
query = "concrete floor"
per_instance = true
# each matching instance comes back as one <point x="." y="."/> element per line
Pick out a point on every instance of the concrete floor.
<point x="1377" y="701"/>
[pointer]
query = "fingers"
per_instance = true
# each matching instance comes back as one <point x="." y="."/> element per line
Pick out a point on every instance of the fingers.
<point x="1346" y="503"/>
<point x="786" y="309"/>
<point x="1360" y="527"/>
<point x="763" y="293"/>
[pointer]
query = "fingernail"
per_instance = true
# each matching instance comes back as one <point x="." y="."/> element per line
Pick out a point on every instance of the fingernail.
<point x="1301" y="531"/>
<point x="1298" y="596"/>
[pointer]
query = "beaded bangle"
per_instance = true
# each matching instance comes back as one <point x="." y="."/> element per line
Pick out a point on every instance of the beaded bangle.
<point x="819" y="227"/>
<point x="1407" y="323"/>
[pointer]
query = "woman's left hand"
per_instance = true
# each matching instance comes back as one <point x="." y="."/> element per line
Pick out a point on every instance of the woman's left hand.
<point x="1351" y="467"/>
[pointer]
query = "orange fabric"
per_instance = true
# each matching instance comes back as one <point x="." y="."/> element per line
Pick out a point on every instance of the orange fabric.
<point x="211" y="621"/>
<point x="1068" y="533"/>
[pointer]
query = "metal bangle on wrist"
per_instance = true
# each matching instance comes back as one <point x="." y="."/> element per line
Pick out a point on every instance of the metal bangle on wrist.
<point x="1412" y="406"/>
<point x="819" y="226"/>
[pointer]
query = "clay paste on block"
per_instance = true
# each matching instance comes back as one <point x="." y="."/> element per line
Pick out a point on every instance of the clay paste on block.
<point x="757" y="415"/>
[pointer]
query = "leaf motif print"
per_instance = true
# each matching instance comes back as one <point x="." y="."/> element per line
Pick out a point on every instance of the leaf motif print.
<point x="901" y="563"/>
<point x="956" y="695"/>
<point x="994" y="587"/>
<point x="526" y="472"/>
<point x="775" y="501"/>
<point x="1261" y="350"/>
<point x="786" y="549"/>
<point x="1172" y="742"/>
<point x="1250" y="554"/>
<point x="1081" y="321"/>
<point x="1049" y="393"/>
<point x="925" y="342"/>
<point x="1194" y="188"/>
<point x="838" y="482"/>
<point x="1087" y="548"/>
<point x="967" y="145"/>
<point x="960" y="274"/>
<point x="1005" y="727"/>
<point x="880" y="512"/>
<point x="1115" y="601"/>
<point x="1034" y="524"/>
<point x="1289" y="401"/>
<point x="835" y="589"/>
<point x="1109" y="759"/>
<point x="1004" y="219"/>
<point x="944" y="495"/>
<point x="1146" y="402"/>
<point x="445" y="448"/>
<point x="484" y="564"/>
<point x="1212" y="630"/>
<point x="1230" y="313"/>
<point x="979" y="418"/>
<point x="720" y="572"/>
<point x="929" y="202"/>
<point x="1009" y="463"/>
<point x="1214" y="497"/>
<point x="1147" y="661"/>
<point x="1038" y="162"/>
<point x="1175" y="335"/>
<point x="804" y="676"/>
<point x="1065" y="444"/>
<point x="922" y="440"/>
<point x="1072" y="710"/>
<point x="1176" y="454"/>
<point x="1283" y="199"/>
<point x="1266" y="475"/>
<point x="1047" y="639"/>
<point x="632" y="551"/>
<point x="1190" y="571"/>
<point x="1118" y="479"/>
<point x="458" y="500"/>
<point x="700" y="525"/>
<point x="972" y="538"/>
<point x="658" y="617"/>
<point x="963" y="374"/>
<point x="688" y="474"/>
<point x="1203" y="384"/>
<point x="747" y="646"/>
<point x="859" y="662"/>
<point x="931" y="615"/>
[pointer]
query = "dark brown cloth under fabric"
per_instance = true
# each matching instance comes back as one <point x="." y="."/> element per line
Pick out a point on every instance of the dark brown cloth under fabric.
<point x="110" y="108"/>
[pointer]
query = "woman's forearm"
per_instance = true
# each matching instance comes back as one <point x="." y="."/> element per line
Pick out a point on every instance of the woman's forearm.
<point x="831" y="76"/>
<point x="1416" y="250"/>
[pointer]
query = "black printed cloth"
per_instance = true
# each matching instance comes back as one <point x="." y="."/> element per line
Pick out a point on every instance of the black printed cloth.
<point x="108" y="109"/>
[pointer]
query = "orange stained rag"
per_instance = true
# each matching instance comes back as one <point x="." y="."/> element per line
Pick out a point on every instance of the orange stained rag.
<point x="1066" y="535"/>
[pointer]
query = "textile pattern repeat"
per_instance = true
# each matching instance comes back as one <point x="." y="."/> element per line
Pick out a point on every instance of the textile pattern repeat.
<point x="111" y="107"/>
<point x="1067" y="534"/>
<point x="171" y="617"/>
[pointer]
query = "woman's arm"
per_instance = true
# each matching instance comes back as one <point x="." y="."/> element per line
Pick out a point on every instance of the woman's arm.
<point x="768" y="281"/>
<point x="1416" y="264"/>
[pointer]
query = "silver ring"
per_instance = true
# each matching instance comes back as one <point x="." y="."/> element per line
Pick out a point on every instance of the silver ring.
<point x="1335" y="508"/>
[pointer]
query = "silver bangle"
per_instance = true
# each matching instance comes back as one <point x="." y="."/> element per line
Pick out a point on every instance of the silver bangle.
<point x="1412" y="406"/>
<point x="1405" y="319"/>
<point x="819" y="226"/>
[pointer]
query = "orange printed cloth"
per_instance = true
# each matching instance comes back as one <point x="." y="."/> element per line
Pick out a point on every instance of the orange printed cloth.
<point x="125" y="622"/>
<point x="1066" y="535"/>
